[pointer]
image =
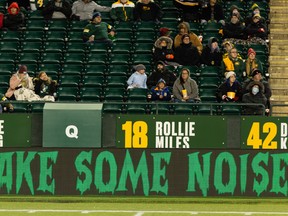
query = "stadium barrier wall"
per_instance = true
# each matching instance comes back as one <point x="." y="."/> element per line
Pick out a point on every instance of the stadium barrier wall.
<point x="150" y="172"/>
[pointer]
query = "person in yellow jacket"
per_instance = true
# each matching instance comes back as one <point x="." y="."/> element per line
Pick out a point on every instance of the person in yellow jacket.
<point x="233" y="62"/>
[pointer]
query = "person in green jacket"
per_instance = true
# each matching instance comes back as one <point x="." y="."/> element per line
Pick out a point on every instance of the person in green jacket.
<point x="122" y="10"/>
<point x="98" y="31"/>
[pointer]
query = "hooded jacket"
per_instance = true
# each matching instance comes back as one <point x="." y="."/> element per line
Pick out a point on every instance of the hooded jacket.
<point x="147" y="12"/>
<point x="166" y="75"/>
<point x="122" y="12"/>
<point x="14" y="21"/>
<point x="190" y="85"/>
<point x="211" y="57"/>
<point x="259" y="98"/>
<point x="229" y="64"/>
<point x="225" y="87"/>
<point x="258" y="29"/>
<point x="231" y="30"/>
<point x="193" y="37"/>
<point x="163" y="53"/>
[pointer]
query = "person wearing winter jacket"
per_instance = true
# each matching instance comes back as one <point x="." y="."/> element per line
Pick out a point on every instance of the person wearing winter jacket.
<point x="57" y="9"/>
<point x="14" y="19"/>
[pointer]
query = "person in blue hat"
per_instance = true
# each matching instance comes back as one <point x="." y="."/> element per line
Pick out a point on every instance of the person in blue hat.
<point x="160" y="92"/>
<point x="98" y="31"/>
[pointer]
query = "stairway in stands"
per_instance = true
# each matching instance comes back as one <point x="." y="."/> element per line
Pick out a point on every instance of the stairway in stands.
<point x="279" y="56"/>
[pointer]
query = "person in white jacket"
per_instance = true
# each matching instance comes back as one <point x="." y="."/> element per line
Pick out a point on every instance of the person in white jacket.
<point x="84" y="9"/>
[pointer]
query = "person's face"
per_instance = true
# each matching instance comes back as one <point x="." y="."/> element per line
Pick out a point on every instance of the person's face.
<point x="256" y="11"/>
<point x="228" y="47"/>
<point x="257" y="77"/>
<point x="13" y="10"/>
<point x="214" y="45"/>
<point x="252" y="56"/>
<point x="234" y="19"/>
<point x="141" y="71"/>
<point x="185" y="74"/>
<point x="186" y="40"/>
<point x="234" y="53"/>
<point x="145" y="1"/>
<point x="161" y="85"/>
<point x="163" y="43"/>
<point x="123" y="1"/>
<point x="44" y="77"/>
<point x="256" y="19"/>
<point x="183" y="30"/>
<point x="232" y="79"/>
<point x="213" y="2"/>
<point x="97" y="19"/>
<point x="160" y="67"/>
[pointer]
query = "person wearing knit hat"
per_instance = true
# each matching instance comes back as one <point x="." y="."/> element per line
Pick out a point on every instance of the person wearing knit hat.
<point x="147" y="10"/>
<point x="84" y="9"/>
<point x="252" y="62"/>
<point x="57" y="9"/>
<point x="138" y="79"/>
<point x="234" y="28"/>
<point x="98" y="31"/>
<point x="14" y="19"/>
<point x="160" y="92"/>
<point x="22" y="69"/>
<point x="257" y="28"/>
<point x="212" y="54"/>
<point x="230" y="90"/>
<point x="165" y="31"/>
<point x="163" y="51"/>
<point x="256" y="75"/>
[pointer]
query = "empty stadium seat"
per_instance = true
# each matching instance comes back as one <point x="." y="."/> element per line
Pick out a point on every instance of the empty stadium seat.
<point x="90" y="94"/>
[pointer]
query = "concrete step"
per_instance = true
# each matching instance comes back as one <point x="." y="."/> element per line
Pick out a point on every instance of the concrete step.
<point x="278" y="83"/>
<point x="281" y="31"/>
<point x="277" y="71"/>
<point x="278" y="25"/>
<point x="277" y="39"/>
<point x="278" y="3"/>
<point x="278" y="19"/>
<point x="278" y="92"/>
<point x="278" y="58"/>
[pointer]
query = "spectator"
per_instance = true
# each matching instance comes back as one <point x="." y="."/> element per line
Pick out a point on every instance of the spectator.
<point x="186" y="54"/>
<point x="161" y="72"/>
<point x="21" y="3"/>
<point x="147" y="10"/>
<point x="165" y="32"/>
<point x="230" y="90"/>
<point x="138" y="78"/>
<point x="160" y="92"/>
<point x="98" y="31"/>
<point x="236" y="11"/>
<point x="252" y="62"/>
<point x="227" y="46"/>
<point x="84" y="9"/>
<point x="232" y="62"/>
<point x="184" y="28"/>
<point x="14" y="19"/>
<point x="163" y="51"/>
<point x="255" y="95"/>
<point x="234" y="28"/>
<point x="257" y="28"/>
<point x="57" y="9"/>
<point x="122" y="10"/>
<point x="45" y="87"/>
<point x="185" y="89"/>
<point x="256" y="75"/>
<point x="190" y="8"/>
<point x="21" y="86"/>
<point x="212" y="13"/>
<point x="211" y="54"/>
<point x="255" y="9"/>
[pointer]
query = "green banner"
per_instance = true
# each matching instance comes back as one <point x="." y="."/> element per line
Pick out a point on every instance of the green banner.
<point x="264" y="133"/>
<point x="15" y="130"/>
<point x="72" y="125"/>
<point x="165" y="131"/>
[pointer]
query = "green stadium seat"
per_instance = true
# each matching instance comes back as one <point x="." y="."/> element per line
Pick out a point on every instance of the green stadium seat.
<point x="145" y="59"/>
<point x="29" y="57"/>
<point x="118" y="70"/>
<point x="72" y="69"/>
<point x="137" y="94"/>
<point x="112" y="108"/>
<point x="34" y="36"/>
<point x="21" y="107"/>
<point x="91" y="94"/>
<point x="230" y="109"/>
<point x="119" y="58"/>
<point x="7" y="69"/>
<point x="211" y="27"/>
<point x="78" y="25"/>
<point x="211" y="109"/>
<point x="205" y="71"/>
<point x="134" y="108"/>
<point x="68" y="94"/>
<point x="9" y="46"/>
<point x="161" y="108"/>
<point x="70" y="80"/>
<point x="145" y="27"/>
<point x="208" y="94"/>
<point x="148" y="37"/>
<point x="170" y="15"/>
<point x="4" y="81"/>
<point x="124" y="37"/>
<point x="50" y="69"/>
<point x="59" y="36"/>
<point x="8" y="57"/>
<point x="52" y="58"/>
<point x="54" y="46"/>
<point x="36" y="25"/>
<point x="124" y="26"/>
<point x="124" y="48"/>
<point x="95" y="70"/>
<point x="33" y="68"/>
<point x="3" y="90"/>
<point x="36" y="15"/>
<point x="114" y="94"/>
<point x="98" y="58"/>
<point x="93" y="81"/>
<point x="75" y="36"/>
<point x="144" y="48"/>
<point x="59" y="24"/>
<point x="30" y="46"/>
<point x="172" y="25"/>
<point x="116" y="81"/>
<point x="76" y="47"/>
<point x="183" y="108"/>
<point x="101" y="48"/>
<point x="14" y="36"/>
<point x="74" y="58"/>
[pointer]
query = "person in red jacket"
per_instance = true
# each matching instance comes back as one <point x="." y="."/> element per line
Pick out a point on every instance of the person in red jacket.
<point x="14" y="19"/>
